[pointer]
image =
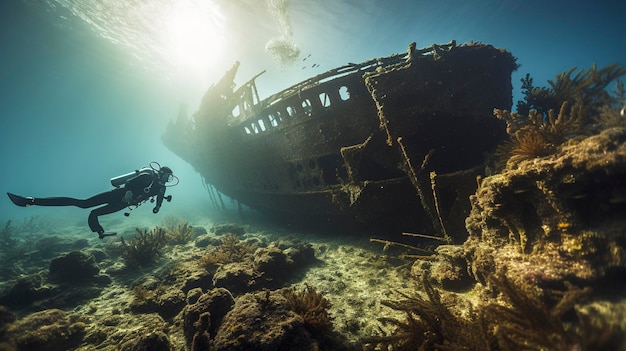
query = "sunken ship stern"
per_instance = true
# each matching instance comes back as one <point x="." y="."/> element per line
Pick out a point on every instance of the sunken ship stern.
<point x="360" y="144"/>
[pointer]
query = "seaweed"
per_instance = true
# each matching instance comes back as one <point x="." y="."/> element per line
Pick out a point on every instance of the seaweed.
<point x="36" y="225"/>
<point x="180" y="234"/>
<point x="613" y="115"/>
<point x="7" y="240"/>
<point x="312" y="307"/>
<point x="583" y="104"/>
<point x="537" y="135"/>
<point x="235" y="249"/>
<point x="586" y="86"/>
<point x="213" y="259"/>
<point x="231" y="249"/>
<point x="431" y="325"/>
<point x="527" y="318"/>
<point x="144" y="248"/>
<point x="536" y="319"/>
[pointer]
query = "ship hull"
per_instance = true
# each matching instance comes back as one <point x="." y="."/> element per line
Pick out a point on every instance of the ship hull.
<point x="372" y="145"/>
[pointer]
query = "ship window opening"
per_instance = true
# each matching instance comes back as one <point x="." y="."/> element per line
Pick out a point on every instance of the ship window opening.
<point x="247" y="130"/>
<point x="299" y="167"/>
<point x="273" y="120"/>
<point x="279" y="116"/>
<point x="344" y="94"/>
<point x="325" y="99"/>
<point x="306" y="106"/>
<point x="255" y="129"/>
<point x="236" y="111"/>
<point x="262" y="125"/>
<point x="291" y="112"/>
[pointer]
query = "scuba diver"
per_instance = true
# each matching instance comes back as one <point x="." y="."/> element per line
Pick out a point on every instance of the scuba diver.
<point x="131" y="189"/>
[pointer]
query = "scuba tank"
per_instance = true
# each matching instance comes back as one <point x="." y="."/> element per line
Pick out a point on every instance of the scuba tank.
<point x="121" y="179"/>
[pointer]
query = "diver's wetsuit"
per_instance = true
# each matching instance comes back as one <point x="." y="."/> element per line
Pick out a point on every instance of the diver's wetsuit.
<point x="143" y="187"/>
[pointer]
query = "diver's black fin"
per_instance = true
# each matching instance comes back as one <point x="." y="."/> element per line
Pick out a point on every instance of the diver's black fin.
<point x="20" y="200"/>
<point x="105" y="234"/>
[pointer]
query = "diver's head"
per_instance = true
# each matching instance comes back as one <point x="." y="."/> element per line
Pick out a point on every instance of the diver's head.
<point x="165" y="174"/>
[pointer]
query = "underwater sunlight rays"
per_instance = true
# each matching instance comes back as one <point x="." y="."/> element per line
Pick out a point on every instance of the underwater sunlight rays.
<point x="179" y="37"/>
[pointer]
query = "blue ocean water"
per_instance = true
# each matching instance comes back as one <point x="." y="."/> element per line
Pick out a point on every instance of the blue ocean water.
<point x="88" y="87"/>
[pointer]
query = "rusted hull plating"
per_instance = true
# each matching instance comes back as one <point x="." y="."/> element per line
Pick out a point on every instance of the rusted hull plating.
<point x="379" y="143"/>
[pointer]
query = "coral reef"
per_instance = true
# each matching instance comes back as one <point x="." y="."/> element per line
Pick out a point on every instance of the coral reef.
<point x="265" y="320"/>
<point x="266" y="267"/>
<point x="430" y="325"/>
<point x="119" y="331"/>
<point x="22" y="291"/>
<point x="523" y="318"/>
<point x="570" y="213"/>
<point x="144" y="248"/>
<point x="7" y="239"/>
<point x="540" y="320"/>
<point x="584" y="106"/>
<point x="202" y="318"/>
<point x="535" y="135"/>
<point x="238" y="278"/>
<point x="6" y="318"/>
<point x="544" y="266"/>
<point x="228" y="228"/>
<point x="167" y="302"/>
<point x="231" y="249"/>
<point x="48" y="330"/>
<point x="72" y="279"/>
<point x="447" y="268"/>
<point x="73" y="267"/>
<point x="155" y="341"/>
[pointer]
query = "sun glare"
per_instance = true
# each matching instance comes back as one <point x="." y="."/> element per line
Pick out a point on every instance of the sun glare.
<point x="192" y="35"/>
<point x="178" y="38"/>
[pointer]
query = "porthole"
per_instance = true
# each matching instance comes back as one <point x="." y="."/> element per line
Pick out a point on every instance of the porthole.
<point x="325" y="99"/>
<point x="291" y="112"/>
<point x="273" y="120"/>
<point x="344" y="94"/>
<point x="306" y="106"/>
<point x="236" y="111"/>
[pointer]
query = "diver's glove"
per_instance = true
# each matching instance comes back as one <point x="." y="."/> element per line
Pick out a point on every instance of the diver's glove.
<point x="128" y="196"/>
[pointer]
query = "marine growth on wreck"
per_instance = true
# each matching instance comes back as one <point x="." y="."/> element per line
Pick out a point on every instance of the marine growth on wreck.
<point x="345" y="147"/>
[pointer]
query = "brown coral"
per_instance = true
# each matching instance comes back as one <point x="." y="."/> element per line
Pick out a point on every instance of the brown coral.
<point x="537" y="135"/>
<point x="312" y="306"/>
<point x="231" y="249"/>
<point x="180" y="234"/>
<point x="144" y="248"/>
<point x="432" y="325"/>
<point x="536" y="319"/>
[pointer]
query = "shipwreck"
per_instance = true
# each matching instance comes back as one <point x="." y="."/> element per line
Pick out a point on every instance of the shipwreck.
<point x="392" y="143"/>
